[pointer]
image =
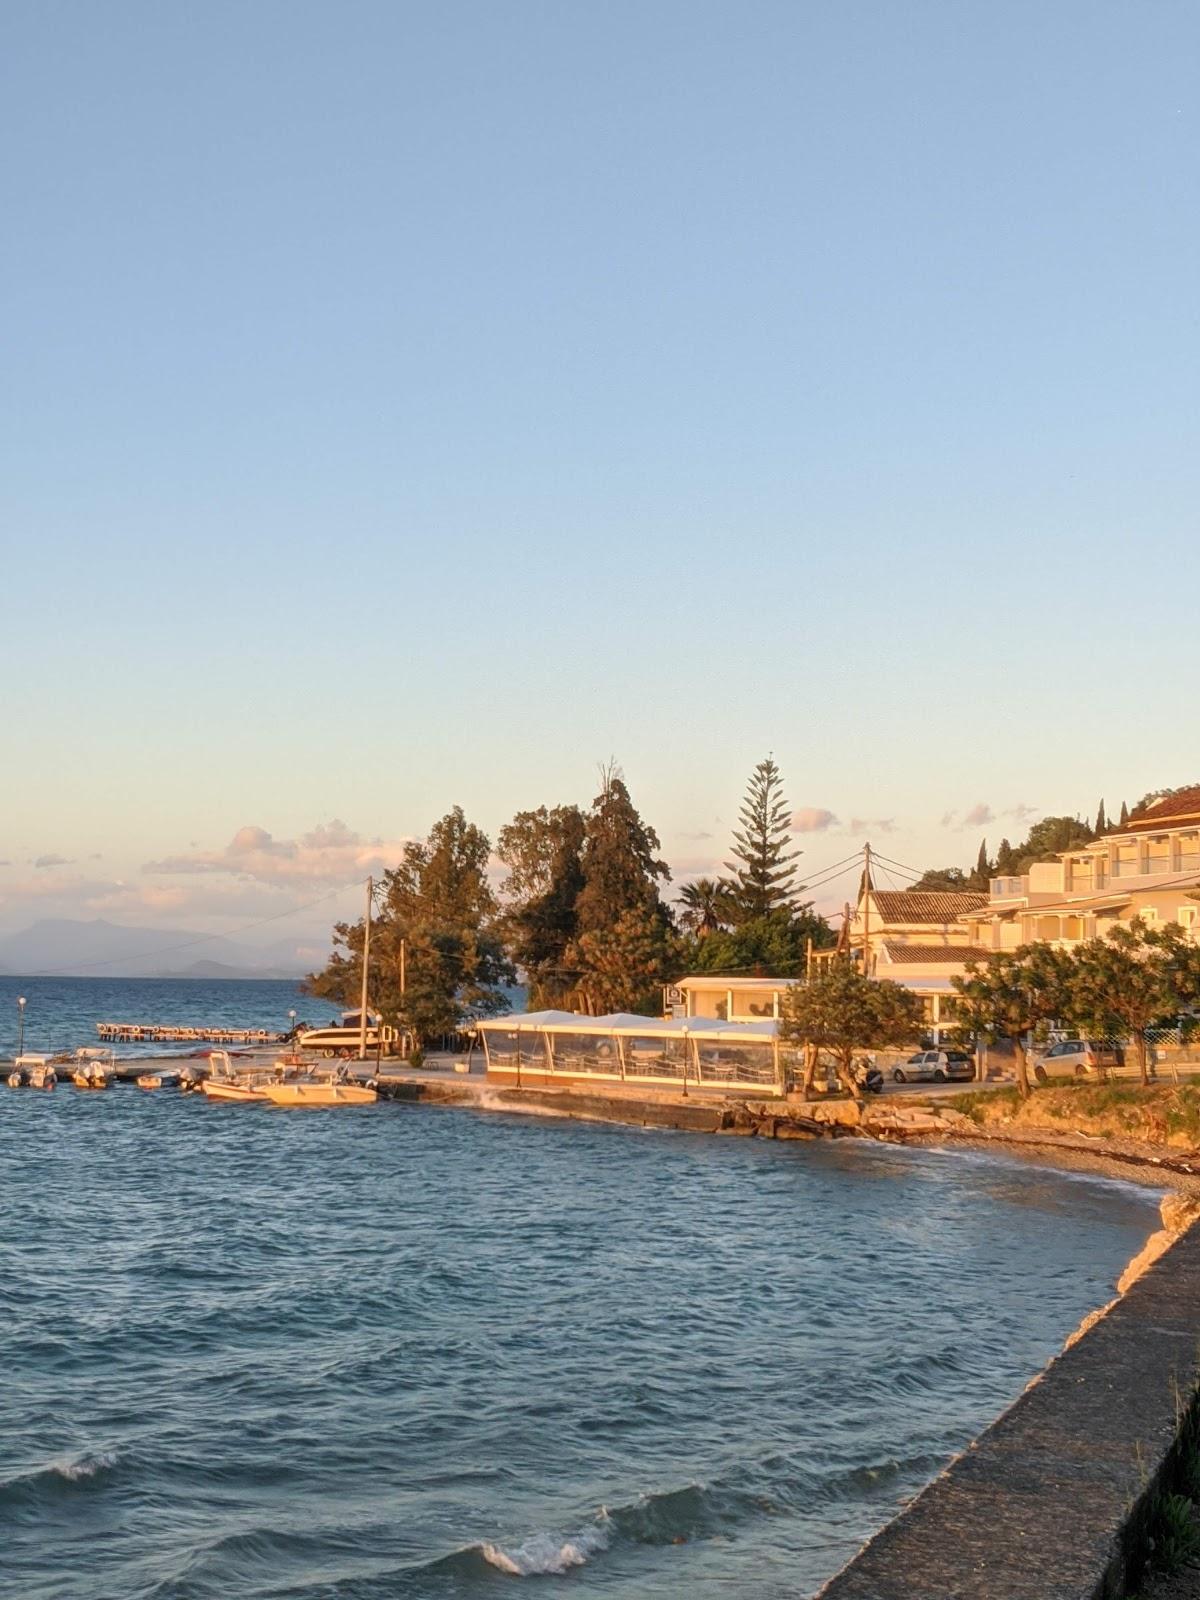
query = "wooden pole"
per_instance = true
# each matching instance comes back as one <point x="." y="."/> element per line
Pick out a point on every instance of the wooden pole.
<point x="362" y="1014"/>
<point x="866" y="966"/>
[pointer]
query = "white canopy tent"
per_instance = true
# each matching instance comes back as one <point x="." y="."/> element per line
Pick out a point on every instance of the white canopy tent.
<point x="703" y="1052"/>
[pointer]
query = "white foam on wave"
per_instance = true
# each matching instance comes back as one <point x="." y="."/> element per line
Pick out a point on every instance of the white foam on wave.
<point x="543" y="1554"/>
<point x="84" y="1467"/>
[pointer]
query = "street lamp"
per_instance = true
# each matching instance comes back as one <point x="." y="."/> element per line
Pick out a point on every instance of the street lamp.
<point x="292" y="1020"/>
<point x="20" y="1024"/>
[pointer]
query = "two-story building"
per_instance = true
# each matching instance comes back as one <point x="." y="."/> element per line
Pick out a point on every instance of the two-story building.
<point x="1150" y="868"/>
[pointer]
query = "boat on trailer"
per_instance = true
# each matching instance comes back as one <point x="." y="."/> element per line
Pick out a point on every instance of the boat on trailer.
<point x="345" y="1037"/>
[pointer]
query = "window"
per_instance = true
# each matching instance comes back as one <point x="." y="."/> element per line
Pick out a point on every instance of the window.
<point x="1188" y="916"/>
<point x="1149" y="915"/>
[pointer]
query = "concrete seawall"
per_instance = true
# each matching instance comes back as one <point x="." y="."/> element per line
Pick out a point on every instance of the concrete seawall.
<point x="1051" y="1502"/>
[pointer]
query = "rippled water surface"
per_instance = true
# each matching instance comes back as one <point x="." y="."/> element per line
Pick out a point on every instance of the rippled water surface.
<point x="394" y="1351"/>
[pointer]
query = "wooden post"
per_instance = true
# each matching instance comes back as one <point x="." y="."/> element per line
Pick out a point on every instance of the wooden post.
<point x="866" y="911"/>
<point x="362" y="1016"/>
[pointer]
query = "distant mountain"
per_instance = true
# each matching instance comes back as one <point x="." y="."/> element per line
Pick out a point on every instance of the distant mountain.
<point x="105" y="950"/>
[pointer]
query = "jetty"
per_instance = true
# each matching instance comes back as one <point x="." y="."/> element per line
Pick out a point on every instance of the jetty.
<point x="165" y="1033"/>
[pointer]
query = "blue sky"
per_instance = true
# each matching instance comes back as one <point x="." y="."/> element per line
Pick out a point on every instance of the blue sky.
<point x="411" y="404"/>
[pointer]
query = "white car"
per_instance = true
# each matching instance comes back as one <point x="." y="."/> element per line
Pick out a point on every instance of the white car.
<point x="936" y="1066"/>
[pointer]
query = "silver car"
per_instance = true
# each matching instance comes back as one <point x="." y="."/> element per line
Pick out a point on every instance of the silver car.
<point x="936" y="1066"/>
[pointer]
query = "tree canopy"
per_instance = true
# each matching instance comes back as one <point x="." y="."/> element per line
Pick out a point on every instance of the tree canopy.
<point x="840" y="1011"/>
<point x="437" y="904"/>
<point x="763" y="870"/>
<point x="1009" y="994"/>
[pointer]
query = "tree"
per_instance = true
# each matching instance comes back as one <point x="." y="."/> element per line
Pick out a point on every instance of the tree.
<point x="543" y="851"/>
<point x="1101" y="820"/>
<point x="436" y="907"/>
<point x="1052" y="835"/>
<point x="1131" y="978"/>
<point x="1007" y="995"/>
<point x="624" y="967"/>
<point x="620" y="913"/>
<point x="706" y="906"/>
<point x="942" y="880"/>
<point x="774" y="946"/>
<point x="764" y="868"/>
<point x="982" y="874"/>
<point x="842" y="1011"/>
<point x="1124" y="814"/>
<point x="1007" y="862"/>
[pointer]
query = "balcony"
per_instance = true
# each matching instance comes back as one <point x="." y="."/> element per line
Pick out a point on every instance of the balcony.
<point x="1008" y="888"/>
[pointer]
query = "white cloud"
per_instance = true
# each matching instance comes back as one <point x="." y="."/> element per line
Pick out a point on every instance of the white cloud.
<point x="329" y="854"/>
<point x="813" y="819"/>
<point x="872" y="825"/>
<point x="978" y="816"/>
<point x="53" y="861"/>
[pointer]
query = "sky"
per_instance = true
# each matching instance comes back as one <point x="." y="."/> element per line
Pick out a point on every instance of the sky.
<point x="412" y="404"/>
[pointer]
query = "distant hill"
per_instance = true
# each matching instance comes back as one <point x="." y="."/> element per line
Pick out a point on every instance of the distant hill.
<point x="107" y="950"/>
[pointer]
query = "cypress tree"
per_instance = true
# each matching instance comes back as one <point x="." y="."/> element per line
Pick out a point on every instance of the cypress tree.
<point x="764" y="868"/>
<point x="983" y="868"/>
<point x="1101" y="821"/>
<point x="1124" y="813"/>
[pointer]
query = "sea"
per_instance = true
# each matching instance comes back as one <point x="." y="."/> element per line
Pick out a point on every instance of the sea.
<point x="403" y="1352"/>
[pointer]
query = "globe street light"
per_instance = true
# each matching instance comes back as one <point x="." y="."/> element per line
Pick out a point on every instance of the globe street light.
<point x="20" y="1024"/>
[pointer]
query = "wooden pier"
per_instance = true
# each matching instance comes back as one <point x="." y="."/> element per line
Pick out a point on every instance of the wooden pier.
<point x="163" y="1033"/>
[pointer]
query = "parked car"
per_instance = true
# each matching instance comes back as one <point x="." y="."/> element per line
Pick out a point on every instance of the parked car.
<point x="1084" y="1058"/>
<point x="938" y="1065"/>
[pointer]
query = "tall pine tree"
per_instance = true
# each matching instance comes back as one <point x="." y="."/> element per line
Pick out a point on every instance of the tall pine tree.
<point x="981" y="876"/>
<point x="1124" y="813"/>
<point x="763" y="871"/>
<point x="1101" y="821"/>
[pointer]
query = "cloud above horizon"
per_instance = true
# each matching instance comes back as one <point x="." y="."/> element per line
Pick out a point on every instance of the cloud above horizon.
<point x="329" y="854"/>
<point x="53" y="861"/>
<point x="813" y="819"/>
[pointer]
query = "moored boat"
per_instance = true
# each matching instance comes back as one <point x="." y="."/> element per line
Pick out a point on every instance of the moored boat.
<point x="93" y="1068"/>
<point x="319" y="1092"/>
<point x="32" y="1072"/>
<point x="158" y="1080"/>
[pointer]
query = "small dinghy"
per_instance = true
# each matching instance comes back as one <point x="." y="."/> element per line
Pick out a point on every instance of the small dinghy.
<point x="158" y="1080"/>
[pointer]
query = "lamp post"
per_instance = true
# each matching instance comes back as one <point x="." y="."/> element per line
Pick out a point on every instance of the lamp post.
<point x="21" y="1025"/>
<point x="292" y="1032"/>
<point x="686" y="1044"/>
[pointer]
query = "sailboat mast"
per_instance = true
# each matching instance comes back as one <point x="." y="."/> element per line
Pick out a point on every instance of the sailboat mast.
<point x="362" y="1014"/>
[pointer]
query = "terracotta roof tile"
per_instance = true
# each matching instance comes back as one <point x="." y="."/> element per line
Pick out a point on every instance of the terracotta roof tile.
<point x="949" y="955"/>
<point x="1171" y="810"/>
<point x="914" y="905"/>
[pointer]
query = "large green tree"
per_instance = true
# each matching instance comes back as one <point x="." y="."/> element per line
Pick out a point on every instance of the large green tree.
<point x="840" y="1011"/>
<point x="543" y="851"/>
<point x="1010" y="993"/>
<point x="436" y="951"/>
<point x="763" y="870"/>
<point x="1132" y="978"/>
<point x="625" y="946"/>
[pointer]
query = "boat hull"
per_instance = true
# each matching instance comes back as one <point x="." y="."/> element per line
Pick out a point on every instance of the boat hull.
<point x="231" y="1091"/>
<point x="319" y="1094"/>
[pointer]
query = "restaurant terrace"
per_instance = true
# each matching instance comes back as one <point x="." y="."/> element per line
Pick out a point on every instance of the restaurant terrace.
<point x="542" y="1047"/>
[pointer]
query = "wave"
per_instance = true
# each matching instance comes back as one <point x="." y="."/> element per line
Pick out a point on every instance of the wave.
<point x="58" y="1475"/>
<point x="544" y="1554"/>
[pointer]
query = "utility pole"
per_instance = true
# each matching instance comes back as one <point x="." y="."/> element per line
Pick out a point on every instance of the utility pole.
<point x="362" y="1014"/>
<point x="866" y="966"/>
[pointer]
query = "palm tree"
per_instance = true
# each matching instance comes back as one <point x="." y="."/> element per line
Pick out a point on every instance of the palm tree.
<point x="705" y="905"/>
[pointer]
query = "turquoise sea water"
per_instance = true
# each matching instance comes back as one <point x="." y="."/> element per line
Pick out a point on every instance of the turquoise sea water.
<point x="394" y="1352"/>
<point x="61" y="1013"/>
